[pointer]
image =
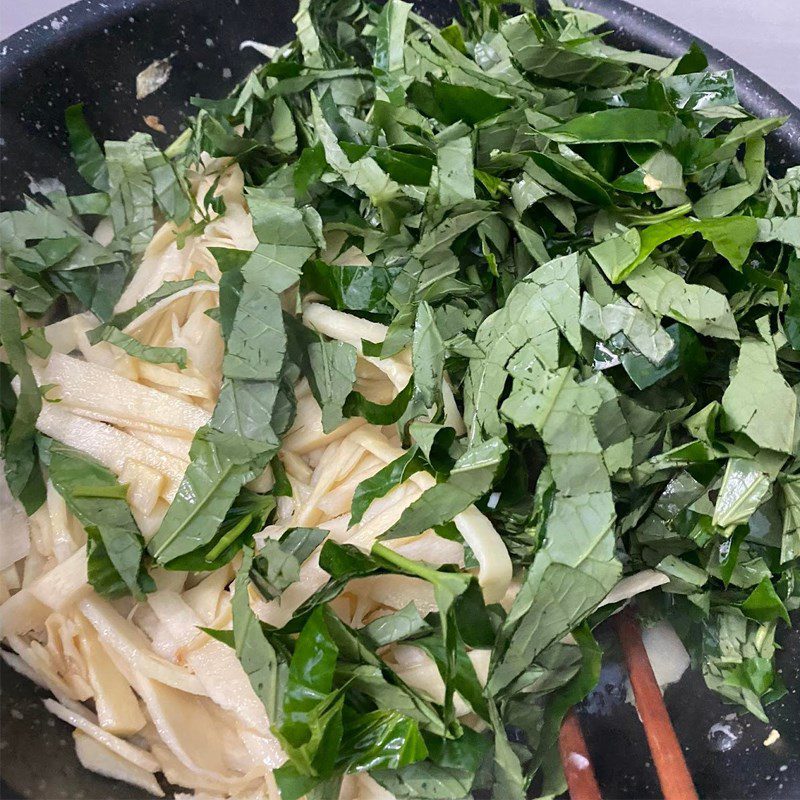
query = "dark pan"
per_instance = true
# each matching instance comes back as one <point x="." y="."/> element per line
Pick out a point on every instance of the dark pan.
<point x="91" y="52"/>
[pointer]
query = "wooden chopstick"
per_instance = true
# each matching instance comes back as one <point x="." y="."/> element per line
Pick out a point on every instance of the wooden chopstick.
<point x="575" y="760"/>
<point x="673" y="774"/>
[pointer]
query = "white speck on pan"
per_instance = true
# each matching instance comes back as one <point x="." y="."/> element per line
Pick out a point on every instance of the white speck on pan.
<point x="772" y="738"/>
<point x="152" y="121"/>
<point x="265" y="49"/>
<point x="153" y="77"/>
<point x="44" y="186"/>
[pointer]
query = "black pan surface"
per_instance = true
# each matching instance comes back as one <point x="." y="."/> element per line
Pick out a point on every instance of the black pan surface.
<point x="91" y="52"/>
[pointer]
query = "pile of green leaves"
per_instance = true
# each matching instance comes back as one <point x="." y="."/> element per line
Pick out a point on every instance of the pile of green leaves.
<point x="587" y="244"/>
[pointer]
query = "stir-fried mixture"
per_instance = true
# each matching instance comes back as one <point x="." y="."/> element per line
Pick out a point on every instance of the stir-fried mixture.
<point x="332" y="431"/>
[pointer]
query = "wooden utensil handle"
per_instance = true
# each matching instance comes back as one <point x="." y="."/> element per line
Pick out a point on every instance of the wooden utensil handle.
<point x="673" y="774"/>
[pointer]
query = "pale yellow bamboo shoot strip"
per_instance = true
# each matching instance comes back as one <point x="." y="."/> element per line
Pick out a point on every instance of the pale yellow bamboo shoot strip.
<point x="338" y="500"/>
<point x="95" y="389"/>
<point x="125" y="749"/>
<point x="338" y="459"/>
<point x="347" y="328"/>
<point x="63" y="335"/>
<point x="117" y="707"/>
<point x="310" y="436"/>
<point x="177" y="446"/>
<point x="295" y="466"/>
<point x="342" y="326"/>
<point x="111" y="447"/>
<point x="131" y="649"/>
<point x="98" y="758"/>
<point x="64" y="543"/>
<point x="495" y="569"/>
<point x="22" y="613"/>
<point x="185" y="383"/>
<point x="158" y="332"/>
<point x="388" y="508"/>
<point x="302" y="389"/>
<point x="64" y="584"/>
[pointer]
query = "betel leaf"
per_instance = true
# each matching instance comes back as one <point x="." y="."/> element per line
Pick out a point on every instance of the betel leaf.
<point x="130" y="192"/>
<point x="451" y="103"/>
<point x="790" y="504"/>
<point x="247" y="516"/>
<point x="507" y="768"/>
<point x="101" y="573"/>
<point x="687" y="358"/>
<point x="356" y="405"/>
<point x="700" y="307"/>
<point x="479" y="190"/>
<point x="351" y="288"/>
<point x="575" y="566"/>
<point x="724" y="147"/>
<point x="462" y="615"/>
<point x="470" y="478"/>
<point x="399" y="626"/>
<point x="426" y="779"/>
<point x="364" y="174"/>
<point x="427" y="361"/>
<point x="382" y="739"/>
<point x="435" y="442"/>
<point x="545" y="56"/>
<point x="758" y="401"/>
<point x="764" y="605"/>
<point x="133" y="347"/>
<point x="256" y="343"/>
<point x="792" y="314"/>
<point x="243" y="419"/>
<point x="95" y="496"/>
<point x="640" y="328"/>
<point x="455" y="171"/>
<point x="36" y="341"/>
<point x="390" y="36"/>
<point x="780" y="229"/>
<point x="48" y="252"/>
<point x="449" y="590"/>
<point x="382" y="482"/>
<point x="693" y="90"/>
<point x="371" y="681"/>
<point x="166" y="290"/>
<point x="287" y="238"/>
<point x="525" y="331"/>
<point x="210" y="485"/>
<point x="313" y="730"/>
<point x="389" y="45"/>
<point x="19" y="446"/>
<point x="277" y="564"/>
<point x="737" y="657"/>
<point x="553" y="173"/>
<point x="726" y="199"/>
<point x="731" y="237"/>
<point x="265" y="669"/>
<point x="744" y="488"/>
<point x="86" y="151"/>
<point x="332" y="375"/>
<point x="170" y="188"/>
<point x="619" y="125"/>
